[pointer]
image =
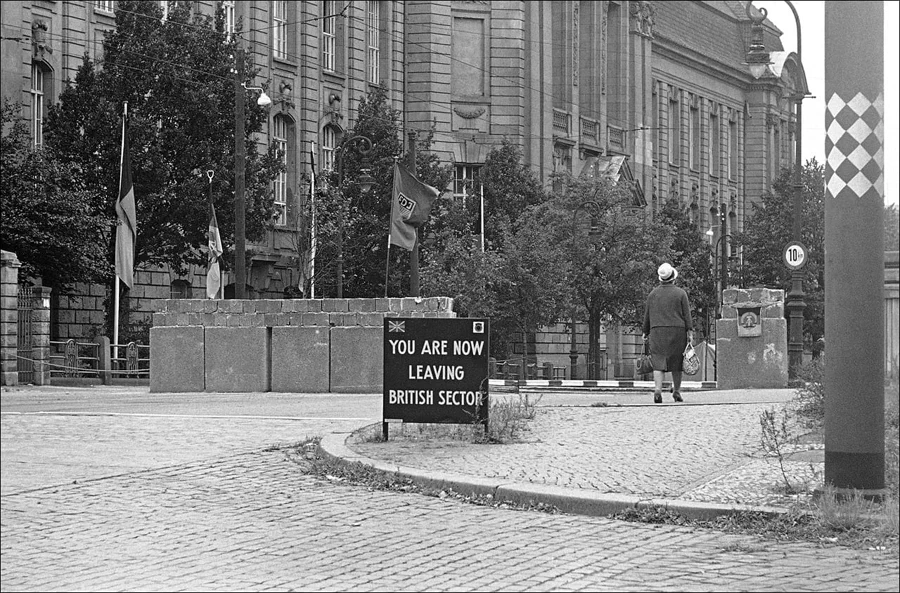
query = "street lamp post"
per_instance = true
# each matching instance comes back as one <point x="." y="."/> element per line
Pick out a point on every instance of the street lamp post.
<point x="365" y="183"/>
<point x="595" y="209"/>
<point x="721" y="270"/>
<point x="240" y="237"/>
<point x="758" y="61"/>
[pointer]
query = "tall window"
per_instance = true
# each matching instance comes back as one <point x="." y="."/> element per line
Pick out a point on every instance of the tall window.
<point x="732" y="150"/>
<point x="373" y="40"/>
<point x="328" y="36"/>
<point x="280" y="133"/>
<point x="465" y="181"/>
<point x="230" y="21"/>
<point x="715" y="146"/>
<point x="694" y="139"/>
<point x="105" y="6"/>
<point x="674" y="129"/>
<point x="38" y="75"/>
<point x="329" y="141"/>
<point x="468" y="58"/>
<point x="164" y="4"/>
<point x="279" y="29"/>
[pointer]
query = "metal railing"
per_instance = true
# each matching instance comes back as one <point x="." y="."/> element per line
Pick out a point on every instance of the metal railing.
<point x="69" y="358"/>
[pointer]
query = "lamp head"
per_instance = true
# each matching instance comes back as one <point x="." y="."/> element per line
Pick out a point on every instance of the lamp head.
<point x="758" y="59"/>
<point x="264" y="99"/>
<point x="365" y="181"/>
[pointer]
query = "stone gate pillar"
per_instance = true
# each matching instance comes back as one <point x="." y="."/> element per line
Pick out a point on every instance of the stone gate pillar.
<point x="9" y="315"/>
<point x="751" y="339"/>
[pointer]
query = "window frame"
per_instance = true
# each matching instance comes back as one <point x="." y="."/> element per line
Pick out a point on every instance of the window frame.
<point x="329" y="36"/>
<point x="38" y="92"/>
<point x="373" y="41"/>
<point x="280" y="129"/>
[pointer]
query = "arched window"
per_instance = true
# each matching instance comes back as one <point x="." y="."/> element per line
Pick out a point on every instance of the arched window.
<point x="282" y="132"/>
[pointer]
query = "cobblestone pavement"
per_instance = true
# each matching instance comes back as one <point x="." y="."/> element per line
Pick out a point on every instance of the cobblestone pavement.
<point x="707" y="453"/>
<point x="165" y="501"/>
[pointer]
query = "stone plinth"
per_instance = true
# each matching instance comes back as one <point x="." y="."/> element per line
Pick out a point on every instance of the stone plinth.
<point x="237" y="359"/>
<point x="300" y="359"/>
<point x="751" y="339"/>
<point x="177" y="359"/>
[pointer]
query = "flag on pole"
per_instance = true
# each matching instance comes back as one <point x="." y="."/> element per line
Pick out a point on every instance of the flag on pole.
<point x="214" y="273"/>
<point x="126" y="229"/>
<point x="410" y="207"/>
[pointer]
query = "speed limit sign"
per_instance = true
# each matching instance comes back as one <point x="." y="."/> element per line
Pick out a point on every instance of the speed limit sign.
<point x="795" y="255"/>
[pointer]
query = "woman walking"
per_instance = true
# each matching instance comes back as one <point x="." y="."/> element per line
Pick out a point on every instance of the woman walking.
<point x="668" y="327"/>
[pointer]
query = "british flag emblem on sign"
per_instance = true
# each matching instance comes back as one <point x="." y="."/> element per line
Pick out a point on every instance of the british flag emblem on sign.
<point x="396" y="326"/>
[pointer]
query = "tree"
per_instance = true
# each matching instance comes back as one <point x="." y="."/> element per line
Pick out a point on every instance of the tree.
<point x="891" y="227"/>
<point x="768" y="230"/>
<point x="47" y="217"/>
<point x="612" y="264"/>
<point x="692" y="257"/>
<point x="176" y="76"/>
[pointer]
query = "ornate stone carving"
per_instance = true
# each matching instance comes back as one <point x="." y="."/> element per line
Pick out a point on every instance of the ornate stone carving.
<point x="643" y="15"/>
<point x="39" y="43"/>
<point x="469" y="113"/>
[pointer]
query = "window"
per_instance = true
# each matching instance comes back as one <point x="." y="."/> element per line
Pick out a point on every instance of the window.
<point x="328" y="36"/>
<point x="164" y="5"/>
<point x="230" y="21"/>
<point x="280" y="136"/>
<point x="104" y="6"/>
<point x="39" y="77"/>
<point x="373" y="40"/>
<point x="329" y="141"/>
<point x="732" y="150"/>
<point x="279" y="29"/>
<point x="715" y="146"/>
<point x="465" y="181"/>
<point x="674" y="130"/>
<point x="694" y="138"/>
<point x="180" y="289"/>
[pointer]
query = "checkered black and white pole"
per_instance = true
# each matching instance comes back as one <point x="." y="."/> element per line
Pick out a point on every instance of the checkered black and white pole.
<point x="854" y="246"/>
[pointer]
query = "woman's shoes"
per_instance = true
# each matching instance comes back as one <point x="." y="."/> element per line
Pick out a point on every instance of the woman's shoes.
<point x="657" y="397"/>
<point x="677" y="396"/>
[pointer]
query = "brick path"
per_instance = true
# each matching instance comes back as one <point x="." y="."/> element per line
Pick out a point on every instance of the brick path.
<point x="173" y="503"/>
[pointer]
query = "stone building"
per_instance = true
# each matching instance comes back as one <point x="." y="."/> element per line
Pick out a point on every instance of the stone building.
<point x="659" y="90"/>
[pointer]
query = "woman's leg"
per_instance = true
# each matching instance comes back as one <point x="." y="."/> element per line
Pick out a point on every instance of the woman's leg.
<point x="657" y="386"/>
<point x="676" y="385"/>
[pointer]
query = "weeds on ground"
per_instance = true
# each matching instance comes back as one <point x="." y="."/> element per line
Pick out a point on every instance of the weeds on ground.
<point x="507" y="421"/>
<point x="834" y="516"/>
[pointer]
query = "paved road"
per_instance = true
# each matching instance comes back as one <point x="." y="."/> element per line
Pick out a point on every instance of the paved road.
<point x="108" y="489"/>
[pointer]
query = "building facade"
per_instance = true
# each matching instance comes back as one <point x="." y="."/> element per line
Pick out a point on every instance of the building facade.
<point x="575" y="83"/>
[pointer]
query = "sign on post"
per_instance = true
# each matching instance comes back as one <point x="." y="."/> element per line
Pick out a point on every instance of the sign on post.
<point x="435" y="371"/>
<point x="795" y="255"/>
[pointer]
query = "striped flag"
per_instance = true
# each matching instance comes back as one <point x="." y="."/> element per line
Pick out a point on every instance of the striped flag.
<point x="214" y="273"/>
<point x="126" y="229"/>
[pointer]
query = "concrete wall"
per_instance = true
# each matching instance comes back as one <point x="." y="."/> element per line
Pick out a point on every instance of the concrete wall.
<point x="287" y="345"/>
<point x="751" y="339"/>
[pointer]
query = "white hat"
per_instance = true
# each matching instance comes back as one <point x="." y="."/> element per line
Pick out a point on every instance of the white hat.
<point x="666" y="273"/>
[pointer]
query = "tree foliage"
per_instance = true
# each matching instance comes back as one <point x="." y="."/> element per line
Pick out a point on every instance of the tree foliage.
<point x="768" y="230"/>
<point x="176" y="74"/>
<point x="692" y="257"/>
<point x="47" y="218"/>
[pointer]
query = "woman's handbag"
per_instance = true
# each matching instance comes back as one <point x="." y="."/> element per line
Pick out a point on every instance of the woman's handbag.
<point x="643" y="364"/>
<point x="691" y="363"/>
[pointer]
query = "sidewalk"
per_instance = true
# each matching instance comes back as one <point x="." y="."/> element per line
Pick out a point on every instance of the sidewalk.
<point x="599" y="452"/>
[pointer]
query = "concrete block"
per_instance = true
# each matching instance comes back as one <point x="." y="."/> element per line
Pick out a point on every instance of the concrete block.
<point x="357" y="360"/>
<point x="752" y="362"/>
<point x="315" y="319"/>
<point x="300" y="359"/>
<point x="237" y="359"/>
<point x="177" y="359"/>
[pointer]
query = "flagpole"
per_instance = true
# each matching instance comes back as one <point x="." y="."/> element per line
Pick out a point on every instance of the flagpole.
<point x="387" y="265"/>
<point x="482" y="218"/>
<point x="116" y="285"/>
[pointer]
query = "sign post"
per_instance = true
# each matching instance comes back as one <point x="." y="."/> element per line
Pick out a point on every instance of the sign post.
<point x="795" y="255"/>
<point x="435" y="371"/>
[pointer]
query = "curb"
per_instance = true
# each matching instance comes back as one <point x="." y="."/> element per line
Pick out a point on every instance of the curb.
<point x="568" y="500"/>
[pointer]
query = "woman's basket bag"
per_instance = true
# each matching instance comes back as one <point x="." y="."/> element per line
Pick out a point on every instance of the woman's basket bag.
<point x="691" y="363"/>
<point x="643" y="364"/>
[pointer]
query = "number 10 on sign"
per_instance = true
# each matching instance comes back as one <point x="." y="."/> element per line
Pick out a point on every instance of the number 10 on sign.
<point x="795" y="255"/>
